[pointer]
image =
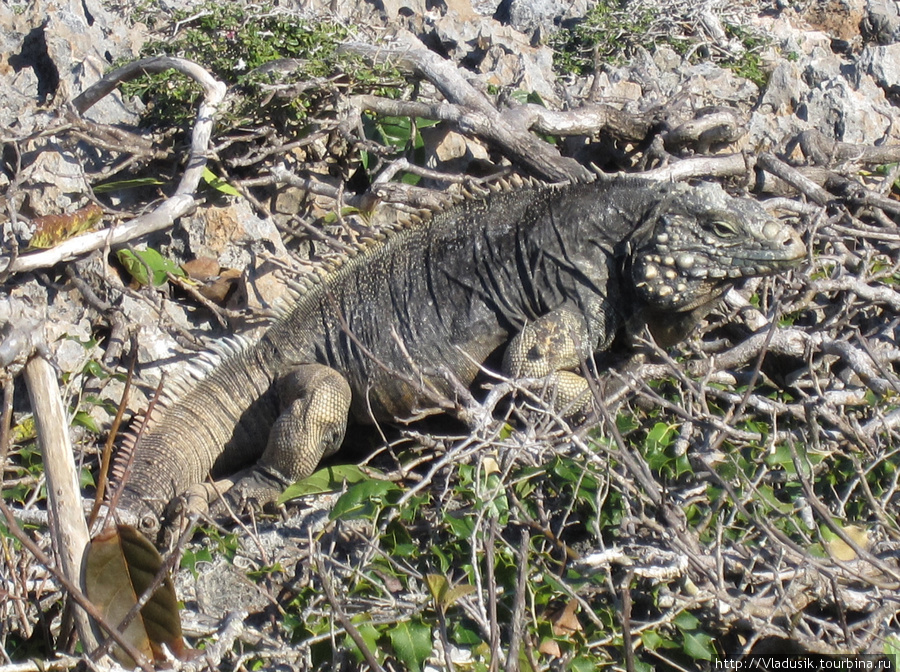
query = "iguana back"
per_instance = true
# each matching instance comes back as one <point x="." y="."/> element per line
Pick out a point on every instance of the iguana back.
<point x="549" y="273"/>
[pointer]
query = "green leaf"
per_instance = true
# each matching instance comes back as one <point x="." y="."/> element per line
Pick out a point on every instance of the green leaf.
<point x="218" y="183"/>
<point x="362" y="499"/>
<point x="84" y="419"/>
<point x="445" y="595"/>
<point x="465" y="633"/>
<point x="437" y="585"/>
<point x="698" y="645"/>
<point x="148" y="266"/>
<point x="583" y="664"/>
<point x="127" y="184"/>
<point x="653" y="640"/>
<point x="461" y="523"/>
<point x="686" y="621"/>
<point x="370" y="635"/>
<point x="412" y="643"/>
<point x="660" y="435"/>
<point x="329" y="479"/>
<point x="191" y="557"/>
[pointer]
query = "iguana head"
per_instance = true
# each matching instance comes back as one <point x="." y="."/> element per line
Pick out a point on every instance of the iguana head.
<point x="696" y="241"/>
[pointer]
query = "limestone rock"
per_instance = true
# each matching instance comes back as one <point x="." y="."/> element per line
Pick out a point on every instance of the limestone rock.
<point x="232" y="234"/>
<point x="527" y="16"/>
<point x="502" y="56"/>
<point x="56" y="48"/>
<point x="55" y="181"/>
<point x="451" y="151"/>
<point x="882" y="21"/>
<point x="882" y="63"/>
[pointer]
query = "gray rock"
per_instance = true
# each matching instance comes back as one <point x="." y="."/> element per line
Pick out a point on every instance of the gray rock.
<point x="501" y="56"/>
<point x="784" y="90"/>
<point x="54" y="49"/>
<point x="220" y="588"/>
<point x="882" y="21"/>
<point x="54" y="180"/>
<point x="845" y="113"/>
<point x="882" y="63"/>
<point x="527" y="16"/>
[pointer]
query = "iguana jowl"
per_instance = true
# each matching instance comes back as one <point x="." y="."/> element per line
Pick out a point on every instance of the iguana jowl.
<point x="549" y="273"/>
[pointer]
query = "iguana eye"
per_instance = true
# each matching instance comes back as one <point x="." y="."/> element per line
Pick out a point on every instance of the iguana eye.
<point x="724" y="229"/>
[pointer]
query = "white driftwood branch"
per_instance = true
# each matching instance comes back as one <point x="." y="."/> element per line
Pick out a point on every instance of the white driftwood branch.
<point x="67" y="520"/>
<point x="179" y="204"/>
<point x="472" y="111"/>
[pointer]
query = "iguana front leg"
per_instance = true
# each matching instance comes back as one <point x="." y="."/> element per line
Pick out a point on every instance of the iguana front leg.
<point x="551" y="348"/>
<point x="315" y="402"/>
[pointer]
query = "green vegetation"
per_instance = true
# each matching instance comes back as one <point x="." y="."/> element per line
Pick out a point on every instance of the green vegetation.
<point x="612" y="29"/>
<point x="608" y="34"/>
<point x="749" y="63"/>
<point x="267" y="56"/>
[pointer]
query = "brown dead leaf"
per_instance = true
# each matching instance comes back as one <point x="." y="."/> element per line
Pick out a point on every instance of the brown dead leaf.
<point x="566" y="622"/>
<point x="219" y="289"/>
<point x="551" y="648"/>
<point x="120" y="565"/>
<point x="51" y="230"/>
<point x="216" y="283"/>
<point x="201" y="269"/>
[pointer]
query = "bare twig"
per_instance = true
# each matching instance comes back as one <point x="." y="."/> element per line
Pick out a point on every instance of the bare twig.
<point x="470" y="110"/>
<point x="177" y="205"/>
<point x="70" y="530"/>
<point x="345" y="621"/>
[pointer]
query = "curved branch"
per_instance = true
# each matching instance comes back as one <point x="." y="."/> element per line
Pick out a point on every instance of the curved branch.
<point x="179" y="204"/>
<point x="824" y="151"/>
<point x="473" y="113"/>
<point x="587" y="119"/>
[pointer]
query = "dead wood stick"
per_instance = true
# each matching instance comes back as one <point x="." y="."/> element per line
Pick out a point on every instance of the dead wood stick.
<point x="588" y="119"/>
<point x="730" y="165"/>
<point x="179" y="204"/>
<point x="778" y="168"/>
<point x="474" y="113"/>
<point x="824" y="151"/>
<point x="67" y="521"/>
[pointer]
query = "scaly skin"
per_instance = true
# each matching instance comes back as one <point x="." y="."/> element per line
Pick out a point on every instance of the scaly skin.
<point x="549" y="274"/>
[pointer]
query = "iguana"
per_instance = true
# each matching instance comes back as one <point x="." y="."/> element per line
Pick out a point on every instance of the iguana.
<point x="549" y="273"/>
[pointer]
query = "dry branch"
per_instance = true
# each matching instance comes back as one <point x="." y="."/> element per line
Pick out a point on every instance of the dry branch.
<point x="472" y="112"/>
<point x="824" y="151"/>
<point x="63" y="485"/>
<point x="177" y="205"/>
